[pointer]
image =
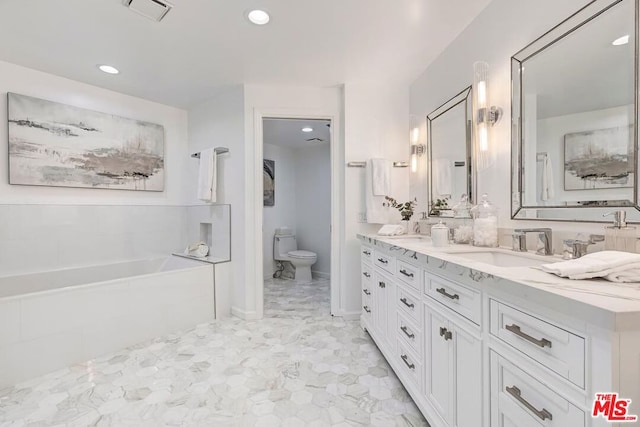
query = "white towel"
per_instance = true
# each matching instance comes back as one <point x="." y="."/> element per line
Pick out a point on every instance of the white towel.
<point x="376" y="212"/>
<point x="391" y="230"/>
<point x="611" y="265"/>
<point x="547" y="179"/>
<point x="442" y="179"/>
<point x="381" y="175"/>
<point x="207" y="176"/>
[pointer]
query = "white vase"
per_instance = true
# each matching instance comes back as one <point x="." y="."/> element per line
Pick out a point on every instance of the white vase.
<point x="405" y="226"/>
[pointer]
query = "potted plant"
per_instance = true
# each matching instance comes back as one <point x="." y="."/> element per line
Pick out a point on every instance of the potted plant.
<point x="439" y="206"/>
<point x="405" y="209"/>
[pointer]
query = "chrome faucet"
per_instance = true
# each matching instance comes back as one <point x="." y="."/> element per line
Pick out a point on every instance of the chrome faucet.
<point x="544" y="236"/>
<point x="579" y="245"/>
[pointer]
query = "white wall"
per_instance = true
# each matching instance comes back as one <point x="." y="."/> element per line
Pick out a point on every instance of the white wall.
<point x="313" y="204"/>
<point x="509" y="25"/>
<point x="283" y="213"/>
<point x="214" y="123"/>
<point x="25" y="81"/>
<point x="44" y="228"/>
<point x="376" y="125"/>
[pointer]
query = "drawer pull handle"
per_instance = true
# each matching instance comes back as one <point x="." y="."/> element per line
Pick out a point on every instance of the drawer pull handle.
<point x="404" y="358"/>
<point x="382" y="285"/>
<point x="405" y="273"/>
<point x="366" y="308"/>
<point x="382" y="260"/>
<point x="367" y="253"/>
<point x="366" y="292"/>
<point x="405" y="302"/>
<point x="444" y="332"/>
<point x="406" y="332"/>
<point x="443" y="291"/>
<point x="539" y="342"/>
<point x="365" y="274"/>
<point x="517" y="394"/>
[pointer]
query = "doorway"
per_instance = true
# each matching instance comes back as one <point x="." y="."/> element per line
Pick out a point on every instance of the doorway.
<point x="296" y="216"/>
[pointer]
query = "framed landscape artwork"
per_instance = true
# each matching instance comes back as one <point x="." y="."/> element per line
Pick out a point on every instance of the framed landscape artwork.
<point x="54" y="144"/>
<point x="599" y="159"/>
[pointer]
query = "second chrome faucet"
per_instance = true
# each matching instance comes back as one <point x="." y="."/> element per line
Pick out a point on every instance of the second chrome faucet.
<point x="545" y="246"/>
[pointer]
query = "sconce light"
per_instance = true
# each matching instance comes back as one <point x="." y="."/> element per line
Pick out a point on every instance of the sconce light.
<point x="486" y="115"/>
<point x="417" y="149"/>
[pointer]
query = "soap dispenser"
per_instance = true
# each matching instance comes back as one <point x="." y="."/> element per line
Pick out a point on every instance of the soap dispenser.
<point x="620" y="236"/>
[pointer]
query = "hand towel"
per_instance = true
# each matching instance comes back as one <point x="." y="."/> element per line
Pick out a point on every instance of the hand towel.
<point x="442" y="178"/>
<point x="391" y="230"/>
<point x="547" y="179"/>
<point x="376" y="212"/>
<point x="381" y="175"/>
<point x="611" y="265"/>
<point x="207" y="176"/>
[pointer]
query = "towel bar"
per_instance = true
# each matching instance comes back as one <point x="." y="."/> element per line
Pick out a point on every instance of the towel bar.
<point x="218" y="150"/>
<point x="364" y="164"/>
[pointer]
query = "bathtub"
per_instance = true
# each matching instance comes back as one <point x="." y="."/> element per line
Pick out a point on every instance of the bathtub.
<point x="54" y="319"/>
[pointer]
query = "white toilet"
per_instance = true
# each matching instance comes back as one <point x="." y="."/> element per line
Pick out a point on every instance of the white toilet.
<point x="285" y="248"/>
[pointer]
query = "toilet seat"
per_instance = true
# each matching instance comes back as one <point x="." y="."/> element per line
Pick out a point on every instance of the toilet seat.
<point x="302" y="254"/>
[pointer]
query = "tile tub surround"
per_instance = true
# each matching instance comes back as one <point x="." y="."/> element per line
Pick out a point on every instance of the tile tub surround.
<point x="612" y="306"/>
<point x="52" y="320"/>
<point x="296" y="367"/>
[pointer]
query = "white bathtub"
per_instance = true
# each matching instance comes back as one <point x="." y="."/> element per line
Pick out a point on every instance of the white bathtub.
<point x="55" y="319"/>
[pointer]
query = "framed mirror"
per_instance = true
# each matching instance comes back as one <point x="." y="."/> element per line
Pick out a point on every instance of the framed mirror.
<point x="451" y="168"/>
<point x="574" y="117"/>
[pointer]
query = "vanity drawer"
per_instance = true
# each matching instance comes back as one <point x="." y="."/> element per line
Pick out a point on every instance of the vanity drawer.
<point x="366" y="253"/>
<point x="519" y="399"/>
<point x="461" y="299"/>
<point x="410" y="365"/>
<point x="409" y="303"/>
<point x="559" y="350"/>
<point x="410" y="334"/>
<point x="367" y="273"/>
<point x="384" y="261"/>
<point x="366" y="307"/>
<point x="409" y="274"/>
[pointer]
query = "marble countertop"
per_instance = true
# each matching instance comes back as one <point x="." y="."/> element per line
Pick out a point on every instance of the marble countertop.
<point x="613" y="306"/>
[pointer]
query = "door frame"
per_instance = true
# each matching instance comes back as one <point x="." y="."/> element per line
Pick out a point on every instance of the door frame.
<point x="337" y="191"/>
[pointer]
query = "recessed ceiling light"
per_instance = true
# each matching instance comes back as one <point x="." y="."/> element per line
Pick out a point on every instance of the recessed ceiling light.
<point x="307" y="129"/>
<point x="258" y="17"/>
<point x="108" y="69"/>
<point x="620" y="41"/>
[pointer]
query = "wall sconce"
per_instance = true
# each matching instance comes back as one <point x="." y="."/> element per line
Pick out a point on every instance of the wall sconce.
<point x="417" y="149"/>
<point x="486" y="115"/>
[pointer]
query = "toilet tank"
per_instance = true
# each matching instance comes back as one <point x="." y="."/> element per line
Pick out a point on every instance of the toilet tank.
<point x="283" y="244"/>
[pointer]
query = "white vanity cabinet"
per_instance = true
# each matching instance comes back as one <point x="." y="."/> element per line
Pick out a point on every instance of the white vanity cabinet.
<point x="474" y="352"/>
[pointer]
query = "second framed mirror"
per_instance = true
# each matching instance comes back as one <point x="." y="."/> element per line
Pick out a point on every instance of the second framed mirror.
<point x="451" y="166"/>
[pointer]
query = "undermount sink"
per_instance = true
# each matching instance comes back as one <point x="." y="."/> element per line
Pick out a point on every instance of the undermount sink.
<point x="503" y="259"/>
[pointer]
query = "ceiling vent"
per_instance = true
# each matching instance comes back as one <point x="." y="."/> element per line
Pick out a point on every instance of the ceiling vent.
<point x="152" y="9"/>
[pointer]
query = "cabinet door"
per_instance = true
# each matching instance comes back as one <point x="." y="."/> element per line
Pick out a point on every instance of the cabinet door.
<point x="439" y="363"/>
<point x="379" y="289"/>
<point x="391" y="314"/>
<point x="468" y="374"/>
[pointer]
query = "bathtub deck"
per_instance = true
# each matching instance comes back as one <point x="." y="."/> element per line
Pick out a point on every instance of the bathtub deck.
<point x="298" y="366"/>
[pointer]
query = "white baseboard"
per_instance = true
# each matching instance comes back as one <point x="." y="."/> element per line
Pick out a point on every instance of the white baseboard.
<point x="321" y="274"/>
<point x="243" y="314"/>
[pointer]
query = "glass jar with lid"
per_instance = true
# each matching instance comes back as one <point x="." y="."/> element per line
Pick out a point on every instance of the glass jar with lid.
<point x="440" y="235"/>
<point x="463" y="229"/>
<point x="485" y="223"/>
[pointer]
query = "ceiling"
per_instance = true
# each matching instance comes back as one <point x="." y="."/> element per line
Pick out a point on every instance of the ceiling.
<point x="203" y="46"/>
<point x="288" y="132"/>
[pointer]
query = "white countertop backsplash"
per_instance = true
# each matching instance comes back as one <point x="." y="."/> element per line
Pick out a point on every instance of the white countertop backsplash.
<point x="613" y="306"/>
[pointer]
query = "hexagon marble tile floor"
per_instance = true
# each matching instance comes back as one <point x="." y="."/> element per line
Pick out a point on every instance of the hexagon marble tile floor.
<point x="299" y="366"/>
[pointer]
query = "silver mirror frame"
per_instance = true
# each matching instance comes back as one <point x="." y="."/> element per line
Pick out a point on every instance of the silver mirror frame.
<point x="519" y="211"/>
<point x="464" y="97"/>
